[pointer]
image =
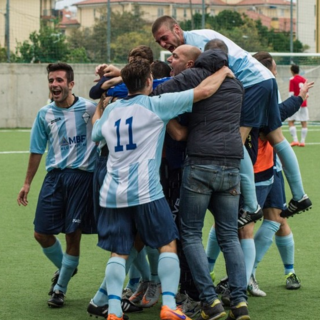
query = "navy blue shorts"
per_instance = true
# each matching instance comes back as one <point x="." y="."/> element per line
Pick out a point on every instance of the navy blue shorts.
<point x="260" y="106"/>
<point x="276" y="197"/>
<point x="65" y="203"/>
<point x="117" y="227"/>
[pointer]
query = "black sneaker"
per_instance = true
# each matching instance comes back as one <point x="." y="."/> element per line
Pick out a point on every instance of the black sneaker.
<point x="240" y="312"/>
<point x="292" y="281"/>
<point x="55" y="278"/>
<point x="56" y="300"/>
<point x="128" y="306"/>
<point x="212" y="312"/>
<point x="246" y="217"/>
<point x="222" y="285"/>
<point x="98" y="311"/>
<point x="225" y="297"/>
<point x="295" y="207"/>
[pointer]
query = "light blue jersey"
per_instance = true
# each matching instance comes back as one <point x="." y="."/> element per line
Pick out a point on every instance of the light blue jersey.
<point x="134" y="129"/>
<point x="67" y="134"/>
<point x="246" y="68"/>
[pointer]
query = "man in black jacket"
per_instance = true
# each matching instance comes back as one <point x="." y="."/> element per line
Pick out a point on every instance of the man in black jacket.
<point x="211" y="180"/>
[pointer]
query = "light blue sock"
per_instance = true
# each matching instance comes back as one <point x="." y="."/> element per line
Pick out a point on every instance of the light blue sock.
<point x="69" y="264"/>
<point x="132" y="256"/>
<point x="286" y="249"/>
<point x="248" y="188"/>
<point x="291" y="168"/>
<point x="153" y="257"/>
<point x="115" y="276"/>
<point x="141" y="263"/>
<point x="249" y="252"/>
<point x="134" y="278"/>
<point x="169" y="274"/>
<point x="263" y="240"/>
<point x="101" y="297"/>
<point x="54" y="253"/>
<point x="212" y="249"/>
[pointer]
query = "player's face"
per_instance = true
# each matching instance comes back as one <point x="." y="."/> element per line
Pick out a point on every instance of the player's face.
<point x="168" y="39"/>
<point x="59" y="86"/>
<point x="178" y="61"/>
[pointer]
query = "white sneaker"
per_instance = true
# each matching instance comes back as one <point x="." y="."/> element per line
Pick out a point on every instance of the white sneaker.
<point x="253" y="288"/>
<point x="191" y="307"/>
<point x="152" y="295"/>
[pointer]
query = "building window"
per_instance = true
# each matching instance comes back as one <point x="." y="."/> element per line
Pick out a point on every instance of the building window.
<point x="160" y="12"/>
<point x="212" y="12"/>
<point x="281" y="12"/>
<point x="197" y="11"/>
<point x="184" y="12"/>
<point x="174" y="12"/>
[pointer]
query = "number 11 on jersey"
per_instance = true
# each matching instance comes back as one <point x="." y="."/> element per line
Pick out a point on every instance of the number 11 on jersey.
<point x="130" y="145"/>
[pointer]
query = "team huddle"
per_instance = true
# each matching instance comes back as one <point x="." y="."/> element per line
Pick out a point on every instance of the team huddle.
<point x="142" y="166"/>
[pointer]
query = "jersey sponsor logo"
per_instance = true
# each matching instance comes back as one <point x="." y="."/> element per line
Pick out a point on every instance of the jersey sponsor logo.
<point x="86" y="117"/>
<point x="76" y="221"/>
<point x="64" y="142"/>
<point x="77" y="139"/>
<point x="55" y="120"/>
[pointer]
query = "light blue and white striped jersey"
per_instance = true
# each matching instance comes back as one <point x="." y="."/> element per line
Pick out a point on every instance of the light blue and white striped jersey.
<point x="67" y="133"/>
<point x="246" y="68"/>
<point x="134" y="129"/>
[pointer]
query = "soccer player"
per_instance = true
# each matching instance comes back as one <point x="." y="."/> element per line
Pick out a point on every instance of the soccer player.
<point x="131" y="198"/>
<point x="65" y="201"/>
<point x="302" y="115"/>
<point x="260" y="109"/>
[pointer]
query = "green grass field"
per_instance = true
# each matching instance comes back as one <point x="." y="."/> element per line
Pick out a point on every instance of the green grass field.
<point x="25" y="273"/>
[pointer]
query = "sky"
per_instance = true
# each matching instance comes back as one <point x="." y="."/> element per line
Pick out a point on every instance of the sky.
<point x="65" y="3"/>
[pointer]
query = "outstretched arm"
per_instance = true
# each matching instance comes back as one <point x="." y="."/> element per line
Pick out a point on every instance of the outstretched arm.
<point x="211" y="84"/>
<point x="177" y="131"/>
<point x="33" y="165"/>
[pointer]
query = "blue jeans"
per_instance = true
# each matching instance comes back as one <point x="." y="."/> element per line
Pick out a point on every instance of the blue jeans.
<point x="217" y="188"/>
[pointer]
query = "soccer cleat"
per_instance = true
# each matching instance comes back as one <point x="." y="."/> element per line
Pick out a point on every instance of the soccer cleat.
<point x="302" y="144"/>
<point x="212" y="312"/>
<point x="137" y="296"/>
<point x="152" y="295"/>
<point x="170" y="314"/>
<point x="114" y="317"/>
<point x="97" y="311"/>
<point x="253" y="288"/>
<point x="294" y="144"/>
<point x="246" y="217"/>
<point x="129" y="307"/>
<point x="240" y="312"/>
<point x="56" y="300"/>
<point x="127" y="293"/>
<point x="222" y="285"/>
<point x="292" y="281"/>
<point x="55" y="278"/>
<point x="180" y="298"/>
<point x="295" y="207"/>
<point x="191" y="307"/>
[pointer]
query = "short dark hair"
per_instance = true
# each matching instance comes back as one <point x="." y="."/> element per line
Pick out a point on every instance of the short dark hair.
<point x="164" y="20"/>
<point x="61" y="66"/>
<point x="143" y="52"/>
<point x="216" y="43"/>
<point x="160" y="69"/>
<point x="135" y="75"/>
<point x="264" y="58"/>
<point x="295" y="68"/>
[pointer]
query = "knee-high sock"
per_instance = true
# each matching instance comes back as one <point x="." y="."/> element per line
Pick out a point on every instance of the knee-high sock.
<point x="304" y="132"/>
<point x="286" y="249"/>
<point x="212" y="249"/>
<point x="134" y="278"/>
<point x="115" y="276"/>
<point x="263" y="240"/>
<point x="141" y="263"/>
<point x="291" y="168"/>
<point x="169" y="273"/>
<point x="248" y="188"/>
<point x="101" y="296"/>
<point x="153" y="257"/>
<point x="69" y="264"/>
<point x="249" y="252"/>
<point x="293" y="132"/>
<point x="54" y="253"/>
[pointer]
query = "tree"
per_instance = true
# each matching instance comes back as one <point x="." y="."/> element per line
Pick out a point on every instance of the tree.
<point x="47" y="45"/>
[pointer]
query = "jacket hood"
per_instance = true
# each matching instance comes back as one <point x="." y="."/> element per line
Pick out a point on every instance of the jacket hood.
<point x="212" y="60"/>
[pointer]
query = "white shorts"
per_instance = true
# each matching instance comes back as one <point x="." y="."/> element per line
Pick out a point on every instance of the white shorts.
<point x="301" y="115"/>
